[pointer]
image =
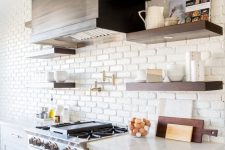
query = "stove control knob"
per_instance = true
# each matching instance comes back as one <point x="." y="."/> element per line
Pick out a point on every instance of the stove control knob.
<point x="39" y="142"/>
<point x="47" y="145"/>
<point x="54" y="146"/>
<point x="67" y="148"/>
<point x="34" y="141"/>
<point x="31" y="140"/>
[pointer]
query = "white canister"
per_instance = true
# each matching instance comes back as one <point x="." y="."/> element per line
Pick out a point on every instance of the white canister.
<point x="141" y="76"/>
<point x="197" y="71"/>
<point x="60" y="76"/>
<point x="66" y="115"/>
<point x="194" y="71"/>
<point x="50" y="77"/>
<point x="191" y="56"/>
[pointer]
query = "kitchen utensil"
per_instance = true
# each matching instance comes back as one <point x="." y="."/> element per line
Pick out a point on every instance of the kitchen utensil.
<point x="198" y="127"/>
<point x="154" y="75"/>
<point x="60" y="76"/>
<point x="179" y="132"/>
<point x="141" y="76"/>
<point x="175" y="72"/>
<point x="154" y="17"/>
<point x="50" y="76"/>
<point x="171" y="21"/>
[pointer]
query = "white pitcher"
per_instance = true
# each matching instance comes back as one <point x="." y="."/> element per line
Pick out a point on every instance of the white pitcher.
<point x="154" y="17"/>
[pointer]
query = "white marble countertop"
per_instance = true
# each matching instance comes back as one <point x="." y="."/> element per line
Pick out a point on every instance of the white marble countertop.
<point x="18" y="124"/>
<point x="127" y="142"/>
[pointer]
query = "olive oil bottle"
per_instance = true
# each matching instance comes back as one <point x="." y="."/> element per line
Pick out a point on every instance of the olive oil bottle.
<point x="52" y="109"/>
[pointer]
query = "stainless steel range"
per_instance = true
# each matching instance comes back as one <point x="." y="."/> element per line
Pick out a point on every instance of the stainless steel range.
<point x="71" y="136"/>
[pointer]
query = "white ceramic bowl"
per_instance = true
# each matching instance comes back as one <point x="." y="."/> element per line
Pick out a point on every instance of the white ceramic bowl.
<point x="60" y="76"/>
<point x="175" y="72"/>
<point x="176" y="78"/>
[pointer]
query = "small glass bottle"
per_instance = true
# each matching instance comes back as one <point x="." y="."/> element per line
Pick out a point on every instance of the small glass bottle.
<point x="52" y="109"/>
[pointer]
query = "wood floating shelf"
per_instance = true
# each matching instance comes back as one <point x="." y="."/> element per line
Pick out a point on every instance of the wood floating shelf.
<point x="52" y="85"/>
<point x="176" y="86"/>
<point x="187" y="31"/>
<point x="52" y="53"/>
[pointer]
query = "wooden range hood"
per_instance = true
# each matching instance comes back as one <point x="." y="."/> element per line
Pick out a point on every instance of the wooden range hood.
<point x="67" y="23"/>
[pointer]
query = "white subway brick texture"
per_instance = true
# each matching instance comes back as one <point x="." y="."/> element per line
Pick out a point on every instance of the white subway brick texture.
<point x="122" y="58"/>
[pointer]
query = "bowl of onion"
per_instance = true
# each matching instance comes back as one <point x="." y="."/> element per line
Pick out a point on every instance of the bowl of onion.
<point x="139" y="127"/>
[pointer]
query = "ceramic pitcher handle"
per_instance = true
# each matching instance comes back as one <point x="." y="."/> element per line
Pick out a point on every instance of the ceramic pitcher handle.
<point x="139" y="13"/>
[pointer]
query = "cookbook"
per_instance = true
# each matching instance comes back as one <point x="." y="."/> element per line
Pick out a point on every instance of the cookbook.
<point x="197" y="10"/>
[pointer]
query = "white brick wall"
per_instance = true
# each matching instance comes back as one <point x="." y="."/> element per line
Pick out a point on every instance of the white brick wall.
<point x="123" y="58"/>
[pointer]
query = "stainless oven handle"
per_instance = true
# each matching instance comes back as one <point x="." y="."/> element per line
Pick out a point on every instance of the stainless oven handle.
<point x="16" y="136"/>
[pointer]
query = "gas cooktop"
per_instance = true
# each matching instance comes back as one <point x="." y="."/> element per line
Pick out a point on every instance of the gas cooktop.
<point x="84" y="130"/>
<point x="69" y="136"/>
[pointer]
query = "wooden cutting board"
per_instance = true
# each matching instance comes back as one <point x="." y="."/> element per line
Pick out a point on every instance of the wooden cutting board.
<point x="198" y="127"/>
<point x="179" y="132"/>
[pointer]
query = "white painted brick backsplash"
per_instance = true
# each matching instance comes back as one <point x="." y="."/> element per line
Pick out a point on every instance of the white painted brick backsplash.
<point x="166" y="95"/>
<point x="186" y="96"/>
<point x="217" y="105"/>
<point x="155" y="59"/>
<point x="209" y="97"/>
<point x="115" y="106"/>
<point x="123" y="113"/>
<point x="123" y="58"/>
<point x="109" y="50"/>
<point x="91" y="116"/>
<point x="202" y="105"/>
<point x="116" y="119"/>
<point x="103" y="105"/>
<point x="131" y="54"/>
<point x="123" y="61"/>
<point x="109" y="100"/>
<point x="149" y="52"/>
<point x="208" y="113"/>
<point x="110" y="112"/>
<point x="116" y="68"/>
<point x="116" y="56"/>
<point x="97" y="110"/>
<point x="123" y="49"/>
<point x="102" y="57"/>
<point x="165" y="51"/>
<point x="110" y="62"/>
<point x="139" y="60"/>
<point x="132" y="108"/>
